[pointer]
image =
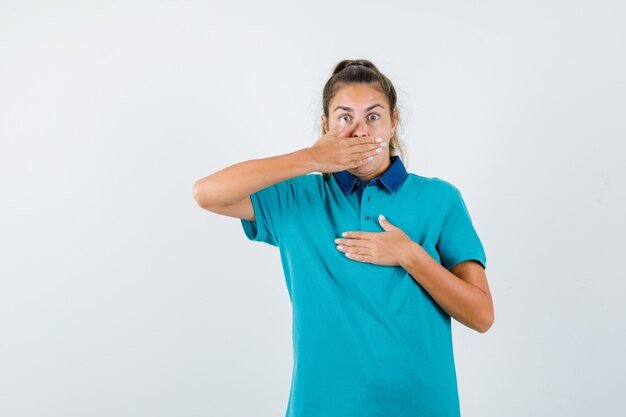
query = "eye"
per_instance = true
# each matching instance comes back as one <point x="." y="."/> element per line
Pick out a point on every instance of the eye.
<point x="374" y="114"/>
<point x="341" y="117"/>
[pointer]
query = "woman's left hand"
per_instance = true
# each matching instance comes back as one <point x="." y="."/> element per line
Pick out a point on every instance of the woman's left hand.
<point x="391" y="247"/>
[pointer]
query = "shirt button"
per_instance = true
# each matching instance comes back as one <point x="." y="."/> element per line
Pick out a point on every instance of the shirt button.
<point x="367" y="217"/>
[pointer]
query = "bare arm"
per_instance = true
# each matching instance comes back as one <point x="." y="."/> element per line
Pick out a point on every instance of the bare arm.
<point x="228" y="190"/>
<point x="462" y="291"/>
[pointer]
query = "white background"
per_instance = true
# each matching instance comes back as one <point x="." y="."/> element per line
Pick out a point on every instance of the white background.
<point x="119" y="296"/>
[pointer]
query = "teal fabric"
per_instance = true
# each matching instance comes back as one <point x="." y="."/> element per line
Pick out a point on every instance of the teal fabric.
<point x="368" y="340"/>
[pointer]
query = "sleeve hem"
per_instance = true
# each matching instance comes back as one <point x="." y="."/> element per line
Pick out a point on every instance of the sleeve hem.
<point x="468" y="257"/>
<point x="255" y="229"/>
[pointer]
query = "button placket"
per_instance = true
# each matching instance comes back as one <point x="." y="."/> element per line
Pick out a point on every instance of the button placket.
<point x="365" y="198"/>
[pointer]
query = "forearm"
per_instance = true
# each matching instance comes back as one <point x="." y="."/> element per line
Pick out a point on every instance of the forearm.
<point x="231" y="184"/>
<point x="463" y="301"/>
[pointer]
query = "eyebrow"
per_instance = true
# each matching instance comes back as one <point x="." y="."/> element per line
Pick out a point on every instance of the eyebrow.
<point x="350" y="109"/>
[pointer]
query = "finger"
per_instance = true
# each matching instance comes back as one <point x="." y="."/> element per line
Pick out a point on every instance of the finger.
<point x="367" y="147"/>
<point x="365" y="157"/>
<point x="339" y="128"/>
<point x="364" y="140"/>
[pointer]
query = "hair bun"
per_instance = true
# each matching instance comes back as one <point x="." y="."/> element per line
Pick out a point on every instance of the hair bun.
<point x="354" y="63"/>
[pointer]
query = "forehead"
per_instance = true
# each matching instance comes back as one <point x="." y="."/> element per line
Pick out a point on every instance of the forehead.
<point x="363" y="94"/>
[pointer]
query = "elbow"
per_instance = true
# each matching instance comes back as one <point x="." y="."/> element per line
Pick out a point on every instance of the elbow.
<point x="486" y="323"/>
<point x="198" y="191"/>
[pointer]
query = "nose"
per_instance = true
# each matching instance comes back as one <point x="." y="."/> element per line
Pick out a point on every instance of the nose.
<point x="360" y="129"/>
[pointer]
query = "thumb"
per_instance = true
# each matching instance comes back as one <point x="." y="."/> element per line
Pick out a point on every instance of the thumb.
<point x="385" y="223"/>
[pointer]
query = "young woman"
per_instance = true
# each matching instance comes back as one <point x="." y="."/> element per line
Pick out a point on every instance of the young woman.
<point x="376" y="259"/>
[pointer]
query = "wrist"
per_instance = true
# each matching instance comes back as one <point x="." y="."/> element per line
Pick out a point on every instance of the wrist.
<point x="413" y="256"/>
<point x="306" y="156"/>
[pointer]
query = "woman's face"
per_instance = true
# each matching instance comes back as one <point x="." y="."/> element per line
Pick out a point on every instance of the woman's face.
<point x="365" y="110"/>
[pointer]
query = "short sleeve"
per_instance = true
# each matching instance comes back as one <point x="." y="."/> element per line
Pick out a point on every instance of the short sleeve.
<point x="273" y="206"/>
<point x="458" y="240"/>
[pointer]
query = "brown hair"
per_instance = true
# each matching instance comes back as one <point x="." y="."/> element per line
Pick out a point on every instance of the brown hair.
<point x="362" y="71"/>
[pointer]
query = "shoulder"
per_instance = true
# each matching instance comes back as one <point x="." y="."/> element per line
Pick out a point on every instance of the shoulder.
<point x="432" y="185"/>
<point x="312" y="178"/>
<point x="312" y="181"/>
<point x="302" y="181"/>
<point x="302" y="184"/>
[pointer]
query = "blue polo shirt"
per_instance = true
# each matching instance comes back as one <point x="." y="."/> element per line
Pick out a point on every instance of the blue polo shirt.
<point x="368" y="340"/>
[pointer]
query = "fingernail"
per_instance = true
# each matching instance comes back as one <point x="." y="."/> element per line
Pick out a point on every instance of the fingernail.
<point x="379" y="139"/>
<point x="383" y="144"/>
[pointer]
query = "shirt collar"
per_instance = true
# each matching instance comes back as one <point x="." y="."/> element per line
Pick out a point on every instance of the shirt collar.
<point x="391" y="178"/>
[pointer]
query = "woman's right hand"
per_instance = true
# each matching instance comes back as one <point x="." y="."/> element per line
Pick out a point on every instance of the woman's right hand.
<point x="332" y="153"/>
